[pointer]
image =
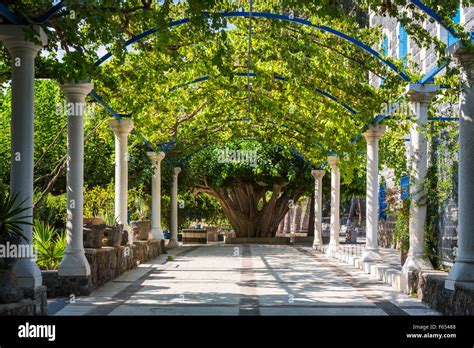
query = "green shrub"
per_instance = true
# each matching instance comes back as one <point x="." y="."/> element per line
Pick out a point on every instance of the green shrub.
<point x="401" y="231"/>
<point x="52" y="210"/>
<point x="99" y="201"/>
<point x="49" y="244"/>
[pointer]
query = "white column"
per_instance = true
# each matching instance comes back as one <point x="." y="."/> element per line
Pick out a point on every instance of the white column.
<point x="372" y="135"/>
<point x="122" y="129"/>
<point x="318" y="206"/>
<point x="419" y="97"/>
<point x="23" y="53"/>
<point x="174" y="210"/>
<point x="333" y="246"/>
<point x="74" y="262"/>
<point x="156" y="159"/>
<point x="463" y="269"/>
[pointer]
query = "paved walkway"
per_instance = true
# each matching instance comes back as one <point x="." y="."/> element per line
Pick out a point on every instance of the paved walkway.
<point x="219" y="279"/>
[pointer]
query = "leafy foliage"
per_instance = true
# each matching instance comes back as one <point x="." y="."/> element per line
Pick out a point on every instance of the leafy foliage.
<point x="12" y="216"/>
<point x="49" y="244"/>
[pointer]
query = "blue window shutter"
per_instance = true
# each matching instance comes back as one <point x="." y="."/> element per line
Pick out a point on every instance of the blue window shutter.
<point x="403" y="44"/>
<point x="383" y="201"/>
<point x="405" y="184"/>
<point x="457" y="19"/>
<point x="385" y="45"/>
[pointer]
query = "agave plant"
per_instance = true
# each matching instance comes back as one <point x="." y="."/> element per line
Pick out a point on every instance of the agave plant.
<point x="12" y="216"/>
<point x="12" y="219"/>
<point x="49" y="244"/>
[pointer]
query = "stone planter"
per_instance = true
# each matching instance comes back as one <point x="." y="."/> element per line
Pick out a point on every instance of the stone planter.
<point x="93" y="235"/>
<point x="8" y="289"/>
<point x="194" y="236"/>
<point x="114" y="235"/>
<point x="141" y="229"/>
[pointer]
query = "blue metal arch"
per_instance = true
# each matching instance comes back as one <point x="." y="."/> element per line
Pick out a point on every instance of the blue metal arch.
<point x="430" y="12"/>
<point x="272" y="16"/>
<point x="276" y="77"/>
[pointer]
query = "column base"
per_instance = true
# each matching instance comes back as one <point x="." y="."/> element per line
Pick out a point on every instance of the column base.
<point x="74" y="263"/>
<point x="332" y="250"/>
<point x="416" y="262"/>
<point x="28" y="275"/>
<point x="317" y="244"/>
<point x="370" y="255"/>
<point x="173" y="244"/>
<point x="157" y="233"/>
<point x="462" y="272"/>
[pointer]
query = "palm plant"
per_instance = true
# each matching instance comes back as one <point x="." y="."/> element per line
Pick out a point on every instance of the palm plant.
<point x="49" y="244"/>
<point x="12" y="216"/>
<point x="12" y="219"/>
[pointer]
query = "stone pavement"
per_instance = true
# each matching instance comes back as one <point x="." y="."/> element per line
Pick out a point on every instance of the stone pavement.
<point x="219" y="279"/>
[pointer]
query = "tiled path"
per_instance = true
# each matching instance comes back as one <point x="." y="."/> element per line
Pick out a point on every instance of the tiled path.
<point x="220" y="279"/>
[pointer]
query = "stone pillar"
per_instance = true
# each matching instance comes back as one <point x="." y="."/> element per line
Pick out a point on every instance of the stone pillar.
<point x="23" y="53"/>
<point x="297" y="218"/>
<point x="156" y="159"/>
<point x="318" y="206"/>
<point x="121" y="129"/>
<point x="333" y="246"/>
<point x="463" y="268"/>
<point x="304" y="220"/>
<point x="372" y="136"/>
<point x="174" y="210"/>
<point x="74" y="262"/>
<point x="287" y="225"/>
<point x="419" y="97"/>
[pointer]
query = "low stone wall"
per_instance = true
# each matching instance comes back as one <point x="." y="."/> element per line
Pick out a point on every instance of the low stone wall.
<point x="107" y="263"/>
<point x="429" y="287"/>
<point x="33" y="303"/>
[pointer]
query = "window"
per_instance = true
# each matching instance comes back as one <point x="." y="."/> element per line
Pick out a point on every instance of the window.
<point x="402" y="44"/>
<point x="385" y="45"/>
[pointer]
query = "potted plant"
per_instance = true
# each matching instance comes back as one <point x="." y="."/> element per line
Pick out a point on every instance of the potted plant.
<point x="12" y="218"/>
<point x="141" y="227"/>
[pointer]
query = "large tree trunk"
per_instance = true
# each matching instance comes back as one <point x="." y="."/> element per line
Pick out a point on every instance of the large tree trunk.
<point x="247" y="209"/>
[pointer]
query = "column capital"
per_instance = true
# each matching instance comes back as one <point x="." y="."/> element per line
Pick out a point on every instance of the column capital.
<point x="76" y="92"/>
<point x="121" y="126"/>
<point x="176" y="171"/>
<point x="14" y="39"/>
<point x="463" y="57"/>
<point x="156" y="156"/>
<point x="333" y="161"/>
<point x="375" y="132"/>
<point x="318" y="173"/>
<point x="416" y="92"/>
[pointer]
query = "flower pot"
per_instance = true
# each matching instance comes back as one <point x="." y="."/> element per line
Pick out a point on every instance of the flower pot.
<point x="93" y="221"/>
<point x="93" y="235"/>
<point x="8" y="287"/>
<point x="141" y="229"/>
<point x="114" y="235"/>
